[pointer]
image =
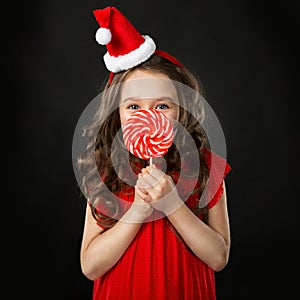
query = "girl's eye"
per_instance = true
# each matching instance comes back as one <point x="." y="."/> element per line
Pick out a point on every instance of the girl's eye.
<point x="162" y="106"/>
<point x="133" y="106"/>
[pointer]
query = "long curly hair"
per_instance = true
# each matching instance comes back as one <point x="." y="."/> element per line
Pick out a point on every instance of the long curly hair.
<point x="106" y="154"/>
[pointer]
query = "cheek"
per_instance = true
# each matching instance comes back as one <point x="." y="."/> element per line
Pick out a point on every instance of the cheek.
<point x="124" y="115"/>
<point x="174" y="114"/>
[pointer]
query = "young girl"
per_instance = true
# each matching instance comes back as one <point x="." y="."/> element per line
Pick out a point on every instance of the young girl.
<point x="142" y="239"/>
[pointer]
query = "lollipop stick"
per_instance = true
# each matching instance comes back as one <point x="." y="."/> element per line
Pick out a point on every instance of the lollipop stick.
<point x="150" y="162"/>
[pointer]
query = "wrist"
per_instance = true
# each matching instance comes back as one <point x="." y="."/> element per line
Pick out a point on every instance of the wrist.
<point x="168" y="204"/>
<point x="137" y="213"/>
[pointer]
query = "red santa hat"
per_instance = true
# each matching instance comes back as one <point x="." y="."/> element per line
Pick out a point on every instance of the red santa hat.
<point x="126" y="47"/>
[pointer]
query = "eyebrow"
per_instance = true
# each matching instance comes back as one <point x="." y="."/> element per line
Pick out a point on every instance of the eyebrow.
<point x="137" y="99"/>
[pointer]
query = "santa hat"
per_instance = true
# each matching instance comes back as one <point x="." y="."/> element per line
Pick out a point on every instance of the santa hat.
<point x="126" y="47"/>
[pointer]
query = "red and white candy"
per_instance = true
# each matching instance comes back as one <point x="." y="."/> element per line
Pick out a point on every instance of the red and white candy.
<point x="148" y="133"/>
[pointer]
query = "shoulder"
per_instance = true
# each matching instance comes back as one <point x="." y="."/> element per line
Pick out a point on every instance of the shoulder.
<point x="214" y="161"/>
<point x="218" y="169"/>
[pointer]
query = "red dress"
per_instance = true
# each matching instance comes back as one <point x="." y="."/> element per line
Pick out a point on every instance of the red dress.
<point x="158" y="265"/>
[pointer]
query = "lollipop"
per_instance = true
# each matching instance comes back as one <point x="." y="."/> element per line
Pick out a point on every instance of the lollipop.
<point x="148" y="133"/>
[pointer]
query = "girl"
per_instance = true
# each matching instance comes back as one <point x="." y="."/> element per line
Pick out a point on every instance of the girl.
<point x="141" y="239"/>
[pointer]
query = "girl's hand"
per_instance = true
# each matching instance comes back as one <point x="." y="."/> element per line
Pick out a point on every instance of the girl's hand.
<point x="140" y="205"/>
<point x="158" y="189"/>
<point x="139" y="210"/>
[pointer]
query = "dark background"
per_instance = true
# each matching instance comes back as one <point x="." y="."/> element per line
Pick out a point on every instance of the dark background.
<point x="245" y="54"/>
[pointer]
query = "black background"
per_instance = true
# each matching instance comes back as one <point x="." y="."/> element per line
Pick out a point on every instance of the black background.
<point x="244" y="53"/>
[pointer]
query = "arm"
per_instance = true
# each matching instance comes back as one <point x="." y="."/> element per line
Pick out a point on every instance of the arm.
<point x="100" y="250"/>
<point x="210" y="242"/>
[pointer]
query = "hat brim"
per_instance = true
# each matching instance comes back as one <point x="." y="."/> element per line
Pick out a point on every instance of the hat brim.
<point x="127" y="61"/>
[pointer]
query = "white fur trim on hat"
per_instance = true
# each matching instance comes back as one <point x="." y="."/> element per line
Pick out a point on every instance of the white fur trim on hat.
<point x="124" y="62"/>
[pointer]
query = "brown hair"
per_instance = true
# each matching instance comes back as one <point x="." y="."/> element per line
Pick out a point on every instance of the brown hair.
<point x="105" y="131"/>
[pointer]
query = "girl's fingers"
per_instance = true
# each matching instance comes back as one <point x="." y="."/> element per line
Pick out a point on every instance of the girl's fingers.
<point x="143" y="190"/>
<point x="152" y="176"/>
<point x="156" y="173"/>
<point x="147" y="181"/>
<point x="145" y="171"/>
<point x="138" y="184"/>
<point x="142" y="196"/>
<point x="142" y="183"/>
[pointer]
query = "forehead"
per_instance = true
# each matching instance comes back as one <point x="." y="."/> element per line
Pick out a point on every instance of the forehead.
<point x="145" y="84"/>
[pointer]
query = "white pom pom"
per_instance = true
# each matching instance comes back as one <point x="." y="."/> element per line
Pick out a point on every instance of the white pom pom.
<point x="103" y="36"/>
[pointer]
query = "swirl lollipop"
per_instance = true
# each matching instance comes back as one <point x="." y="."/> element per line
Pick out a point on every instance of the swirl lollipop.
<point x="148" y="133"/>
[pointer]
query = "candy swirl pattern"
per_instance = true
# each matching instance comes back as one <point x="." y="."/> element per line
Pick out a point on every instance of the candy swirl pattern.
<point x="148" y="133"/>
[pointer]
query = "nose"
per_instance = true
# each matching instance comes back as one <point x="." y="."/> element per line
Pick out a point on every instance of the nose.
<point x="148" y="104"/>
<point x="147" y="107"/>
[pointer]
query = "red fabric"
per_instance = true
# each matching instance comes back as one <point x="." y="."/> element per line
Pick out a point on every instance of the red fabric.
<point x="125" y="37"/>
<point x="218" y="171"/>
<point x="158" y="265"/>
<point x="103" y="16"/>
